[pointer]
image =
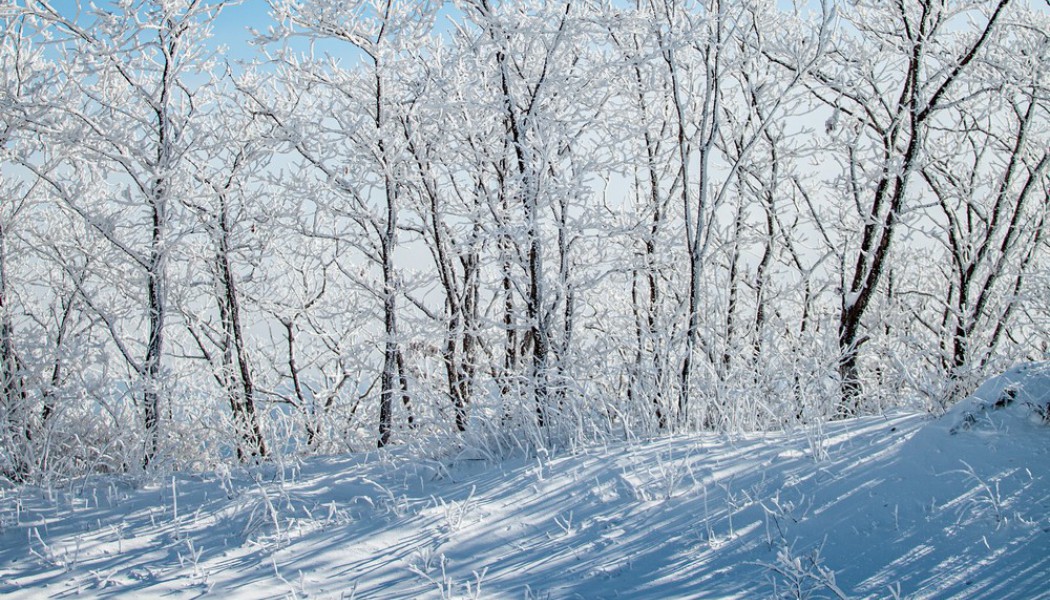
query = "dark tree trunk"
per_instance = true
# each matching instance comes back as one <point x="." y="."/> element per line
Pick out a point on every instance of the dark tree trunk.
<point x="12" y="385"/>
<point x="242" y="400"/>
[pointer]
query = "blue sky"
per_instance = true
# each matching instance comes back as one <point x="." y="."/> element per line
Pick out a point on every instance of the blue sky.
<point x="233" y="26"/>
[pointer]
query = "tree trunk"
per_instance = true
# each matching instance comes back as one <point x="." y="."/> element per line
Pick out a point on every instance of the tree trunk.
<point x="156" y="309"/>
<point x="389" y="378"/>
<point x="12" y="385"/>
<point x="242" y="401"/>
<point x="880" y="221"/>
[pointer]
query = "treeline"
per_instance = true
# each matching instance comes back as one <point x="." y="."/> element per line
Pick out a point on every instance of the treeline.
<point x="529" y="221"/>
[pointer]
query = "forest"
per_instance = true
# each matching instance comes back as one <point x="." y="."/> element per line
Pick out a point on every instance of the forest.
<point x="516" y="223"/>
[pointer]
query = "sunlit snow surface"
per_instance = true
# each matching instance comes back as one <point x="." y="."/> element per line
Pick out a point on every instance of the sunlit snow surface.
<point x="956" y="507"/>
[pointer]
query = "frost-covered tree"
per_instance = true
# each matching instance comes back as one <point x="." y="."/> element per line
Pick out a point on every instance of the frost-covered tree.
<point x="988" y="168"/>
<point x="225" y="163"/>
<point x="542" y="219"/>
<point x="542" y="67"/>
<point x="346" y="128"/>
<point x="892" y="70"/>
<point x="19" y="63"/>
<point x="445" y="139"/>
<point x="135" y="69"/>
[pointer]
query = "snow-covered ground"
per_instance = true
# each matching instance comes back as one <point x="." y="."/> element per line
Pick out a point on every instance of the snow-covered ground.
<point x="878" y="507"/>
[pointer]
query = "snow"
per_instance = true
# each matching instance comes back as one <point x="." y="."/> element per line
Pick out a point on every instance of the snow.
<point x="899" y="505"/>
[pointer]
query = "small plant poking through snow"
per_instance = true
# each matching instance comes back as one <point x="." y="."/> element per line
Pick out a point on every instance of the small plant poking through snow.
<point x="802" y="577"/>
<point x="433" y="569"/>
<point x="985" y="497"/>
<point x="457" y="512"/>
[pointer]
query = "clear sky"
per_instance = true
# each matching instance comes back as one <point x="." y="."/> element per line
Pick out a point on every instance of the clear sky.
<point x="234" y="25"/>
<point x="232" y="28"/>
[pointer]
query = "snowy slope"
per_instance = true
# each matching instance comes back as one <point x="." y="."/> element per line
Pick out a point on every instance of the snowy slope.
<point x="879" y="507"/>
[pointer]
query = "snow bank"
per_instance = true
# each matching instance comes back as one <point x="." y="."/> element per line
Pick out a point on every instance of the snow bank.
<point x="1019" y="395"/>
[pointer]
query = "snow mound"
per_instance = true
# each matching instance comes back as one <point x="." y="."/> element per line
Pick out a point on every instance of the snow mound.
<point x="1019" y="395"/>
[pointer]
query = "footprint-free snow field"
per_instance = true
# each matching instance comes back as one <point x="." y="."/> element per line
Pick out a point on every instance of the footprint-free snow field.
<point x="901" y="505"/>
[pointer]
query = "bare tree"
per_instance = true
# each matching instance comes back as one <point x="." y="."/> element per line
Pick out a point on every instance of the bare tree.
<point x="526" y="174"/>
<point x="701" y="44"/>
<point x="988" y="170"/>
<point x="225" y="162"/>
<point x="13" y="394"/>
<point x="16" y="62"/>
<point x="376" y="31"/>
<point x="654" y="184"/>
<point x="452" y="223"/>
<point x="133" y="122"/>
<point x="894" y="112"/>
<point x="541" y="80"/>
